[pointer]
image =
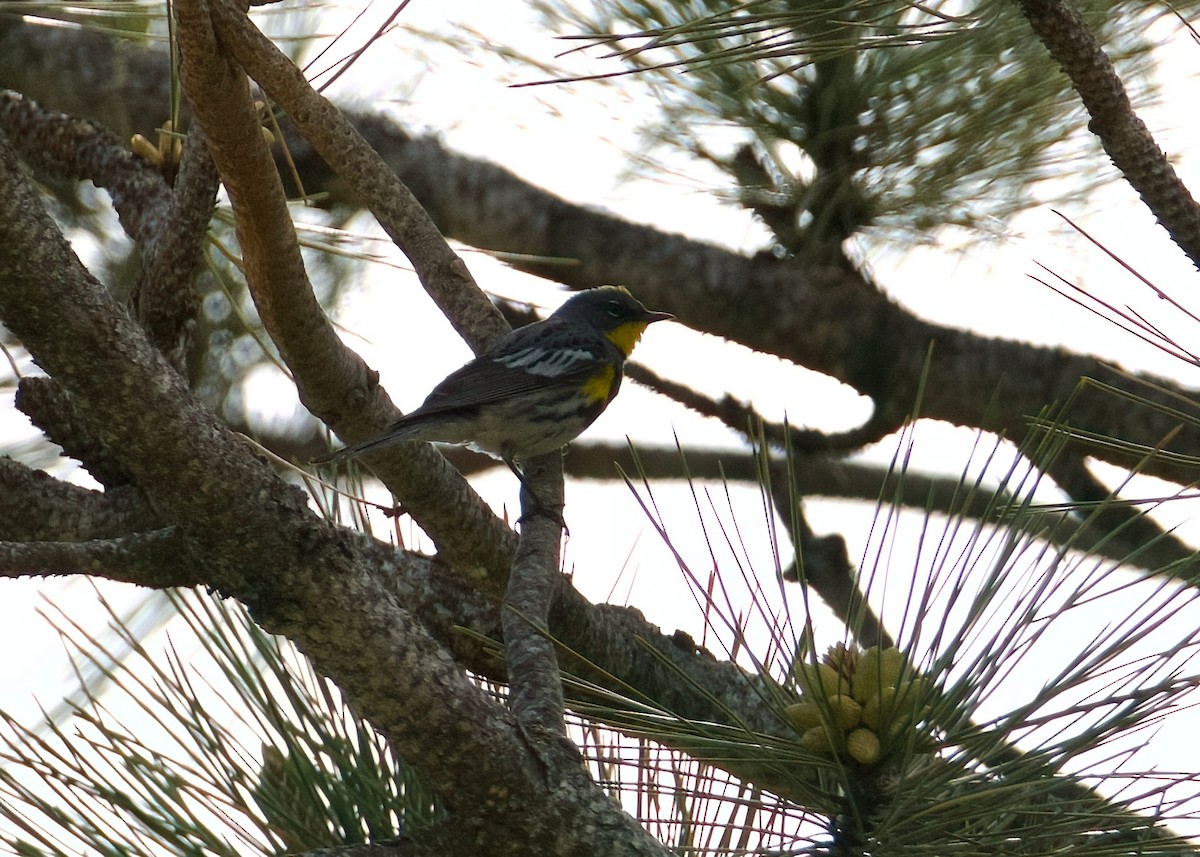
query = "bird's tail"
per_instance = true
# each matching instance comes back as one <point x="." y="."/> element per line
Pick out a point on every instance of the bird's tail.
<point x="395" y="434"/>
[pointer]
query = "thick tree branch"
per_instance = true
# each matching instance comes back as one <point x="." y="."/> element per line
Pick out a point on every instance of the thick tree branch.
<point x="607" y="637"/>
<point x="1123" y="134"/>
<point x="169" y="228"/>
<point x="406" y="222"/>
<point x="219" y="94"/>
<point x="141" y="410"/>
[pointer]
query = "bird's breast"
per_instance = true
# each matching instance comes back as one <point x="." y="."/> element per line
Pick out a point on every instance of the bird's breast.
<point x="599" y="387"/>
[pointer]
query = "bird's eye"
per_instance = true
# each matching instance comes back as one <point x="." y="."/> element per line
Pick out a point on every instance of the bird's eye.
<point x="614" y="309"/>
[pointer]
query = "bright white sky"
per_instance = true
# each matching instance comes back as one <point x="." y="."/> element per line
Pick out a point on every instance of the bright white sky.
<point x="577" y="141"/>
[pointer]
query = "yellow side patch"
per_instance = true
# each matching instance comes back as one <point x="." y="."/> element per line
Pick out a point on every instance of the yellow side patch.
<point x="598" y="387"/>
<point x="627" y="335"/>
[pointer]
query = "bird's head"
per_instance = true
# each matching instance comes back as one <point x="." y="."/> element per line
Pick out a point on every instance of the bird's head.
<point x="614" y="312"/>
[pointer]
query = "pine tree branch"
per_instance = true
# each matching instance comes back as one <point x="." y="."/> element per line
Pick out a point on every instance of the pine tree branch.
<point x="1124" y="135"/>
<point x="74" y="147"/>
<point x="744" y="419"/>
<point x="535" y="689"/>
<point x="157" y="559"/>
<point x="440" y="270"/>
<point x="168" y="225"/>
<point x="852" y="332"/>
<point x="1118" y="530"/>
<point x="323" y="367"/>
<point x="37" y="507"/>
<point x="165" y="296"/>
<point x="51" y="409"/>
<point x="823" y="564"/>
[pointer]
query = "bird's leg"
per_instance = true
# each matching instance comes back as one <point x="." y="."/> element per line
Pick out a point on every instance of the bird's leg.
<point x="512" y="465"/>
<point x="539" y="508"/>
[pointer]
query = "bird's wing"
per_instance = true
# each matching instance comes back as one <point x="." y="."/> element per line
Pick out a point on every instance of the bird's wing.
<point x="522" y="364"/>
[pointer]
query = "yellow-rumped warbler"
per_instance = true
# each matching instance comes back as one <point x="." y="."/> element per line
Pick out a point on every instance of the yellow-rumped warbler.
<point x="537" y="389"/>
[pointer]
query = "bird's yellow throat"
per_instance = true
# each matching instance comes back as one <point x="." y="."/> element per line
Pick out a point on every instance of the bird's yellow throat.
<point x="627" y="335"/>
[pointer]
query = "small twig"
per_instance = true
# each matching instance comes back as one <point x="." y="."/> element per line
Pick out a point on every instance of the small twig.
<point x="740" y="417"/>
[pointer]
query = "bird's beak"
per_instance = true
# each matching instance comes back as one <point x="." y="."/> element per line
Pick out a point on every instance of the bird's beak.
<point x="652" y="317"/>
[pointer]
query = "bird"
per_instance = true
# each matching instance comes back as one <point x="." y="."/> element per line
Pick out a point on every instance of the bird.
<point x="535" y="390"/>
